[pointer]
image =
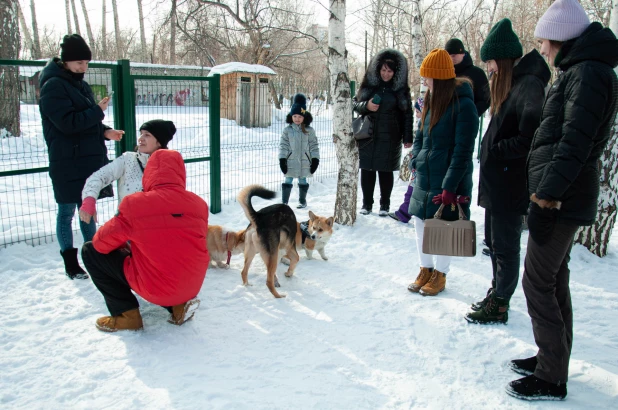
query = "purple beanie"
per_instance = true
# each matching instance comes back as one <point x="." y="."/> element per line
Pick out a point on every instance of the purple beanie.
<point x="563" y="20"/>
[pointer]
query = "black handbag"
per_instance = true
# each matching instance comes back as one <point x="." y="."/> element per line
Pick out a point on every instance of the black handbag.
<point x="106" y="192"/>
<point x="362" y="128"/>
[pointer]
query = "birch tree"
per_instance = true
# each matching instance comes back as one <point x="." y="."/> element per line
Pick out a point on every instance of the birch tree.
<point x="77" y="30"/>
<point x="104" y="30"/>
<point x="596" y="237"/>
<point x="9" y="76"/>
<point x="24" y="30"/>
<point x="173" y="21"/>
<point x="417" y="33"/>
<point x="67" y="6"/>
<point x="347" y="152"/>
<point x="35" y="33"/>
<point x="119" y="53"/>
<point x="88" y="27"/>
<point x="142" y="31"/>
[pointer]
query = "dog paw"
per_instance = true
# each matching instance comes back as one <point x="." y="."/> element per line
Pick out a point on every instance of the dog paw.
<point x="289" y="274"/>
<point x="325" y="257"/>
<point x="247" y="284"/>
<point x="285" y="261"/>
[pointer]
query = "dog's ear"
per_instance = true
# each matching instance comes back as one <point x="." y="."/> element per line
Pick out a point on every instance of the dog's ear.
<point x="330" y="221"/>
<point x="312" y="216"/>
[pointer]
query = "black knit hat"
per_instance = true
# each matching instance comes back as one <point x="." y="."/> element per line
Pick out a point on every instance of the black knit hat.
<point x="162" y="130"/>
<point x="74" y="48"/>
<point x="455" y="46"/>
<point x="501" y="43"/>
<point x="299" y="105"/>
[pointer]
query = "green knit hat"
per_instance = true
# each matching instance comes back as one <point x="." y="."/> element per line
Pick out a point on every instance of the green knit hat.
<point x="501" y="43"/>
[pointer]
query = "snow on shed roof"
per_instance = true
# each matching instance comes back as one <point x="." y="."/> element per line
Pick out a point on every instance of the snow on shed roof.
<point x="236" y="67"/>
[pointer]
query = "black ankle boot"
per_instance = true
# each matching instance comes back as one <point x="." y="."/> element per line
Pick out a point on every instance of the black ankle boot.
<point x="525" y="367"/>
<point x="286" y="189"/>
<point x="71" y="264"/>
<point x="533" y="388"/>
<point x="302" y="196"/>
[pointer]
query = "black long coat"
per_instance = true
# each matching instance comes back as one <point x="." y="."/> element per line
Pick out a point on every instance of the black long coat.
<point x="506" y="144"/>
<point x="577" y="119"/>
<point x="480" y="84"/>
<point x="73" y="131"/>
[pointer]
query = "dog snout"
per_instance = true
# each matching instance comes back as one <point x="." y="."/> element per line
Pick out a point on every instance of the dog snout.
<point x="314" y="236"/>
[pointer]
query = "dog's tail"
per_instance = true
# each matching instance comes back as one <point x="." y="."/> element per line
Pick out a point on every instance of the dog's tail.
<point x="244" y="198"/>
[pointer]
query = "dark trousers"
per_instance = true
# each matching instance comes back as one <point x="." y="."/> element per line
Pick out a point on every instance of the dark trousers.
<point x="107" y="275"/>
<point x="546" y="286"/>
<point x="368" y="183"/>
<point x="503" y="235"/>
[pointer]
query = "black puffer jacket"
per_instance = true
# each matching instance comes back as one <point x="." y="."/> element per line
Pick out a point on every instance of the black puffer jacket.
<point x="480" y="84"/>
<point x="73" y="131"/>
<point x="506" y="144"/>
<point x="392" y="123"/>
<point x="577" y="118"/>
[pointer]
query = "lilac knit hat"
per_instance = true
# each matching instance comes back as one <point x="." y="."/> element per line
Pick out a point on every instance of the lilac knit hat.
<point x="563" y="20"/>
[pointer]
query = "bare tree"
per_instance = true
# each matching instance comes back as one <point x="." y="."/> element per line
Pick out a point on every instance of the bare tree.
<point x="173" y="23"/>
<point x="417" y="32"/>
<point x="24" y="29"/>
<point x="104" y="29"/>
<point x="347" y="153"/>
<point x="119" y="52"/>
<point x="35" y="33"/>
<point x="88" y="28"/>
<point x="142" y="31"/>
<point x="68" y="10"/>
<point x="76" y="18"/>
<point x="9" y="76"/>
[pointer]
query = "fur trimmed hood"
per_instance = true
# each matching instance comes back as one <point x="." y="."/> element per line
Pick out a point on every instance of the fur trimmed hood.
<point x="372" y="76"/>
<point x="308" y="118"/>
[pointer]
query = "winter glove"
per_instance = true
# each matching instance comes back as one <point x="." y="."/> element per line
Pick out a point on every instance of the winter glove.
<point x="448" y="198"/>
<point x="314" y="165"/>
<point x="283" y="164"/>
<point x="88" y="209"/>
<point x="541" y="223"/>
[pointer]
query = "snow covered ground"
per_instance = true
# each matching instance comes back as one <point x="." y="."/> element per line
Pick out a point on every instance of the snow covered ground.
<point x="348" y="336"/>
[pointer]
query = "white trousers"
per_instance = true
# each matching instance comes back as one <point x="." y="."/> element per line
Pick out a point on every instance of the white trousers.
<point x="439" y="262"/>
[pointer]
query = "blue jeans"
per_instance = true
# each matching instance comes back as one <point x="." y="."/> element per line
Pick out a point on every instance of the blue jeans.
<point x="301" y="181"/>
<point x="64" y="231"/>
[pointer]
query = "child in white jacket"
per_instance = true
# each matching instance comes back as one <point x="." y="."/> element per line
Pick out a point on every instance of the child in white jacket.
<point x="299" y="152"/>
<point x="127" y="169"/>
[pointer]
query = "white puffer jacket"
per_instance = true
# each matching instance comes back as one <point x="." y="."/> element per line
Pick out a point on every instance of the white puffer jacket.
<point x="124" y="169"/>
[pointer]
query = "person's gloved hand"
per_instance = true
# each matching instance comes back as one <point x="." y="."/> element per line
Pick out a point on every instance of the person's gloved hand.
<point x="88" y="210"/>
<point x="314" y="165"/>
<point x="446" y="198"/>
<point x="283" y="164"/>
<point x="541" y="223"/>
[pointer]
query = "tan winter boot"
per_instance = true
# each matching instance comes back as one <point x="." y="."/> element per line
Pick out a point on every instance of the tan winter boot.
<point x="422" y="278"/>
<point x="129" y="320"/>
<point x="184" y="312"/>
<point x="436" y="284"/>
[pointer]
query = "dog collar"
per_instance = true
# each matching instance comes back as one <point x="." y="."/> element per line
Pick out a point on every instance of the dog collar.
<point x="304" y="231"/>
<point x="229" y="252"/>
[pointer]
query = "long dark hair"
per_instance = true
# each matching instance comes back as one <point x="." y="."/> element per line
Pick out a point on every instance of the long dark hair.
<point x="439" y="100"/>
<point x="500" y="84"/>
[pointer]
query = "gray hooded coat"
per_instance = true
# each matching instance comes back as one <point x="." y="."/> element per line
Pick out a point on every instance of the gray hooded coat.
<point x="298" y="148"/>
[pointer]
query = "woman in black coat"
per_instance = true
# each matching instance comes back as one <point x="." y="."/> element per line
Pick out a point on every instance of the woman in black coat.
<point x="75" y="137"/>
<point x="563" y="182"/>
<point x="391" y="112"/>
<point x="517" y="93"/>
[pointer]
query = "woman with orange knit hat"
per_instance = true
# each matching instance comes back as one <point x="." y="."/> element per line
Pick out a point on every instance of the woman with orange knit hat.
<point x="442" y="157"/>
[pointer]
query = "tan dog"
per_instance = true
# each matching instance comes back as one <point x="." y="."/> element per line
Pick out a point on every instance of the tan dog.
<point x="314" y="234"/>
<point x="222" y="244"/>
<point x="271" y="230"/>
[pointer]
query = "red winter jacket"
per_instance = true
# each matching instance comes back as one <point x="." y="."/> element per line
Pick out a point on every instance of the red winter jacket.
<point x="167" y="227"/>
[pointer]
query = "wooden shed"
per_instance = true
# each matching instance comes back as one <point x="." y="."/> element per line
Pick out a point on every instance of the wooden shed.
<point x="245" y="96"/>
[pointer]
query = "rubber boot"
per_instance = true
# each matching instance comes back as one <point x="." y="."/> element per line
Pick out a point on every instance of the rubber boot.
<point x="286" y="189"/>
<point x="302" y="196"/>
<point x="71" y="264"/>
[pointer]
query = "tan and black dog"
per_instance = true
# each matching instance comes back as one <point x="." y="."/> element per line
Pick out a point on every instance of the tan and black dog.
<point x="313" y="235"/>
<point x="271" y="229"/>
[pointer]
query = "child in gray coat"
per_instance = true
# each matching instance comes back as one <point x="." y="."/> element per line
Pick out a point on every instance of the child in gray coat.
<point x="299" y="153"/>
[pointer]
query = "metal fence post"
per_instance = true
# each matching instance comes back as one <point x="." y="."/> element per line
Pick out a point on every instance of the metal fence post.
<point x="124" y="106"/>
<point x="478" y="153"/>
<point x="214" y="113"/>
<point x="352" y="89"/>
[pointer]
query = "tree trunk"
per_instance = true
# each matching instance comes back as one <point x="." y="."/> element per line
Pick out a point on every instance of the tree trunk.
<point x="347" y="153"/>
<point x="9" y="76"/>
<point x="68" y="10"/>
<point x="493" y="14"/>
<point x="35" y="32"/>
<point x="376" y="28"/>
<point x="596" y="237"/>
<point x="25" y="31"/>
<point x="75" y="17"/>
<point x="173" y="34"/>
<point x="88" y="27"/>
<point x="417" y="33"/>
<point x="142" y="31"/>
<point x="104" y="31"/>
<point x="119" y="53"/>
<point x="273" y="94"/>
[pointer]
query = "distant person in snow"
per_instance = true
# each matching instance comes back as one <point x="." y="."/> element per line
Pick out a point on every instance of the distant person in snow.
<point x="75" y="138"/>
<point x="299" y="152"/>
<point x="128" y="168"/>
<point x="166" y="262"/>
<point x="563" y="184"/>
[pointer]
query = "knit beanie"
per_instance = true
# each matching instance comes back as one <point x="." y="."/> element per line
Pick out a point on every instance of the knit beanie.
<point x="438" y="65"/>
<point x="454" y="46"/>
<point x="74" y="48"/>
<point x="299" y="105"/>
<point x="162" y="130"/>
<point x="501" y="43"/>
<point x="563" y="20"/>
